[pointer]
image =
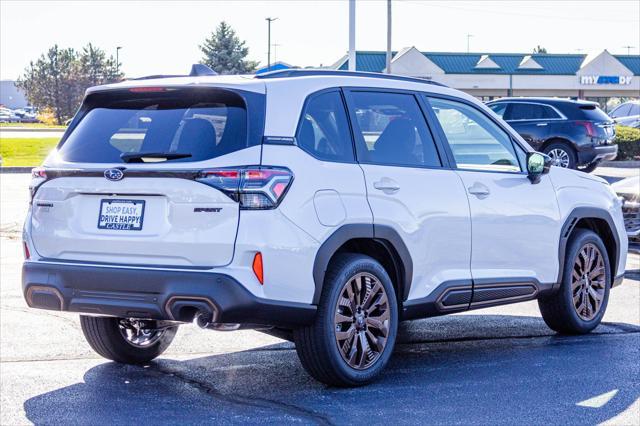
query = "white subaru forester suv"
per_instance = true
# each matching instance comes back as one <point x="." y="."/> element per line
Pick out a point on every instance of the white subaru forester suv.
<point x="323" y="207"/>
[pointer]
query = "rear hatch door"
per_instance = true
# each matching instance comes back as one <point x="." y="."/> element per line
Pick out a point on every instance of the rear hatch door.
<point x="123" y="185"/>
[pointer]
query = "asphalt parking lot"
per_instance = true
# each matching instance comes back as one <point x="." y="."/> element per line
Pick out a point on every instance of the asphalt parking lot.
<point x="494" y="366"/>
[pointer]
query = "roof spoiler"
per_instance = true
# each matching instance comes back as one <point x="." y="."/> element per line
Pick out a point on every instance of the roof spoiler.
<point x="197" y="70"/>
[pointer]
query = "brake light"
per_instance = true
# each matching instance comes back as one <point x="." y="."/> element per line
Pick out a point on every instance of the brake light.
<point x="255" y="188"/>
<point x="38" y="177"/>
<point x="591" y="131"/>
<point x="257" y="267"/>
<point x="147" y="89"/>
<point x="27" y="254"/>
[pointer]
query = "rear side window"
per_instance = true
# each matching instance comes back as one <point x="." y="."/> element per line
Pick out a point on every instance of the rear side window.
<point x="199" y="124"/>
<point x="393" y="130"/>
<point x="324" y="130"/>
<point x="499" y="109"/>
<point x="525" y="111"/>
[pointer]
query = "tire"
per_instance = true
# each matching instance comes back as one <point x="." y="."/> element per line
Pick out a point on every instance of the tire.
<point x="317" y="345"/>
<point x="559" y="310"/>
<point x="104" y="336"/>
<point x="559" y="151"/>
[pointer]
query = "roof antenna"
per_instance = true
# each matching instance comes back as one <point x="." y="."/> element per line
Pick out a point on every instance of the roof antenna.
<point x="200" y="70"/>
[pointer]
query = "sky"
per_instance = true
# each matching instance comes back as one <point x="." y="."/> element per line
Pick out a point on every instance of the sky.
<point x="162" y="37"/>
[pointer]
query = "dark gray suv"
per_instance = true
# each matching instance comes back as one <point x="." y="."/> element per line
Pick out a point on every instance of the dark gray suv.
<point x="575" y="134"/>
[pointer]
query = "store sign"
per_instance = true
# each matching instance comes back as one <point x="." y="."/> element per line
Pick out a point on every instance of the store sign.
<point x="605" y="79"/>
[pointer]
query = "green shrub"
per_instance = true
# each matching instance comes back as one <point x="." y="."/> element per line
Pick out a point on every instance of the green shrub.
<point x="628" y="140"/>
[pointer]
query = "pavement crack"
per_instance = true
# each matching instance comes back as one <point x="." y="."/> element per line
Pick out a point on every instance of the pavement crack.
<point x="68" y="320"/>
<point x="254" y="401"/>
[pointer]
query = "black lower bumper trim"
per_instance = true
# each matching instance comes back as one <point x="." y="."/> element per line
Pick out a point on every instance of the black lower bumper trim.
<point x="154" y="294"/>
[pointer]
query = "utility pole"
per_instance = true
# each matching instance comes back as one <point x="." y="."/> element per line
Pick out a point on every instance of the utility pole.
<point x="118" y="59"/>
<point x="275" y="52"/>
<point x="468" y="39"/>
<point x="629" y="49"/>
<point x="352" y="35"/>
<point x="388" y="37"/>
<point x="269" y="20"/>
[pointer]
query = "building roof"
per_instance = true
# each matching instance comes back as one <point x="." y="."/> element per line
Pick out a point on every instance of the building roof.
<point x="509" y="63"/>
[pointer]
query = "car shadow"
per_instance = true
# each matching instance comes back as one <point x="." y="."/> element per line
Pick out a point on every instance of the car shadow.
<point x="462" y="369"/>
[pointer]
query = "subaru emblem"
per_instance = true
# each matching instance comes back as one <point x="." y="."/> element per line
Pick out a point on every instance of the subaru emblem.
<point x="113" y="174"/>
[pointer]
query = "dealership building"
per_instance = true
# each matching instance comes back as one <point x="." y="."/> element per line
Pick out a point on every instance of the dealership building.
<point x="490" y="75"/>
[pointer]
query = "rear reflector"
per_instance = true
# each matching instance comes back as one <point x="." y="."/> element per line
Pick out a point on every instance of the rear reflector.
<point x="257" y="267"/>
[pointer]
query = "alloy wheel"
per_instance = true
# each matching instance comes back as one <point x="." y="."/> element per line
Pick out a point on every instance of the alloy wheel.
<point x="560" y="157"/>
<point x="138" y="333"/>
<point x="361" y="321"/>
<point x="588" y="282"/>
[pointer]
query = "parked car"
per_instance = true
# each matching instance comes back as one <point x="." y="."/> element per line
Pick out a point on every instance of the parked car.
<point x="7" y="116"/>
<point x="575" y="134"/>
<point x="26" y="115"/>
<point x="629" y="191"/>
<point x="323" y="207"/>
<point x="627" y="114"/>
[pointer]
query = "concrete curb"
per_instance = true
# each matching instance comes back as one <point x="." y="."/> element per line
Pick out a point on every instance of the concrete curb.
<point x="625" y="164"/>
<point x="16" y="169"/>
<point x="32" y="129"/>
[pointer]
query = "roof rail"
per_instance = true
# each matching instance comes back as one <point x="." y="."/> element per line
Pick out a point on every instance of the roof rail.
<point x="197" y="70"/>
<point x="312" y="72"/>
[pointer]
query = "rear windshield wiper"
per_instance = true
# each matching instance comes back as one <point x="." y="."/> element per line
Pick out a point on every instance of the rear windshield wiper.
<point x="151" y="157"/>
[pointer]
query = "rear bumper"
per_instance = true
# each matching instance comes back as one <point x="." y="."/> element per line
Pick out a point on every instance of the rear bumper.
<point x="597" y="154"/>
<point x="154" y="294"/>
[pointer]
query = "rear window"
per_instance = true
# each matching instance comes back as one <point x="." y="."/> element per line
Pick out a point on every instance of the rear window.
<point x="186" y="124"/>
<point x="592" y="113"/>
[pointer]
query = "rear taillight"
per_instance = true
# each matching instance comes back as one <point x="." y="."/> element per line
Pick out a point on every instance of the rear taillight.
<point x="590" y="128"/>
<point x="38" y="177"/>
<point x="255" y="188"/>
<point x="25" y="250"/>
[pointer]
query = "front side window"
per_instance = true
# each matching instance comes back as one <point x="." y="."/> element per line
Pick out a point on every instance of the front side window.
<point x="476" y="142"/>
<point x="393" y="130"/>
<point x="324" y="131"/>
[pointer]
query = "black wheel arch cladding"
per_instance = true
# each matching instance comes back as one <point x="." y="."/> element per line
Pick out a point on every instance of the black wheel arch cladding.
<point x="388" y="239"/>
<point x="588" y="215"/>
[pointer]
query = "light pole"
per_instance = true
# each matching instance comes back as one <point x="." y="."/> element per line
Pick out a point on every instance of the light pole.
<point x="468" y="39"/>
<point x="629" y="49"/>
<point x="269" y="20"/>
<point x="118" y="59"/>
<point x="352" y="35"/>
<point x="388" y="61"/>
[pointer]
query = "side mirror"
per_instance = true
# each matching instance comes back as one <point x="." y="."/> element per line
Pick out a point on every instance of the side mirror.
<point x="537" y="165"/>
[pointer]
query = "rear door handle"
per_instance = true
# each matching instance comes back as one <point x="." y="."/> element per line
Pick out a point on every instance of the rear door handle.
<point x="479" y="190"/>
<point x="387" y="185"/>
<point x="541" y="124"/>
